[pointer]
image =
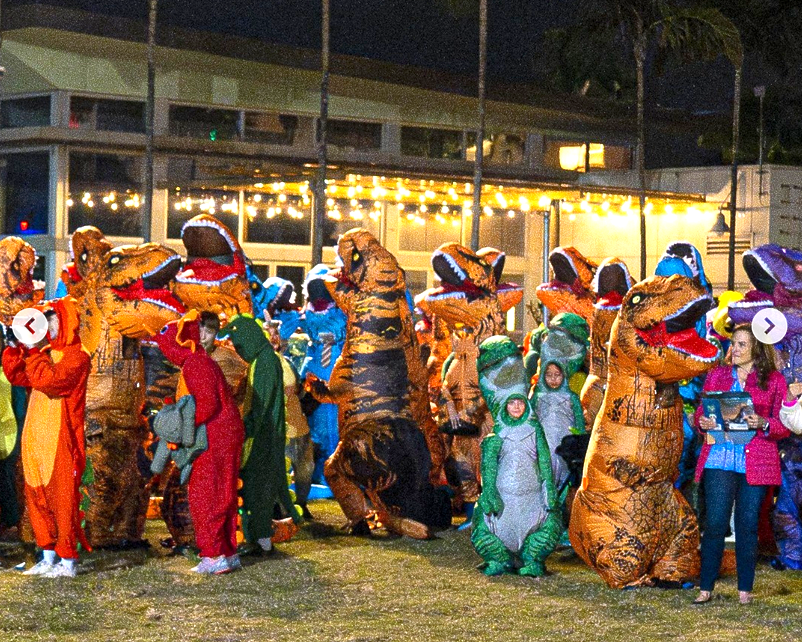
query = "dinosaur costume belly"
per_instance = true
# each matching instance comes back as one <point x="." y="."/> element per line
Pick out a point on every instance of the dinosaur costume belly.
<point x="519" y="483"/>
<point x="628" y="522"/>
<point x="555" y="411"/>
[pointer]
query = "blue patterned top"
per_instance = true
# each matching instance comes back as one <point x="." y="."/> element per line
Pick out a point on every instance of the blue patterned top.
<point x="728" y="456"/>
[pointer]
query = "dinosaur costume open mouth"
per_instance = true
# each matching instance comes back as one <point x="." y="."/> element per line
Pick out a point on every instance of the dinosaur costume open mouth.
<point x="677" y="332"/>
<point x="152" y="286"/>
<point x="612" y="282"/>
<point x="213" y="255"/>
<point x="759" y="273"/>
<point x="455" y="280"/>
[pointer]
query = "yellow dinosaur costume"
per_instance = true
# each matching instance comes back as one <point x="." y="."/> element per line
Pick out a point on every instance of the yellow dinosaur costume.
<point x="628" y="522"/>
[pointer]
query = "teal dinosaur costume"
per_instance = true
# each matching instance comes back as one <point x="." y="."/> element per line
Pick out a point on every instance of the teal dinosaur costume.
<point x="263" y="469"/>
<point x="517" y="521"/>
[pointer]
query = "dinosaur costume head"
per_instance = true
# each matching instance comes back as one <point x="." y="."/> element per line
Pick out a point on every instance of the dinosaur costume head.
<point x="68" y="321"/>
<point x="214" y="277"/>
<point x="18" y="290"/>
<point x="279" y="295"/>
<point x="570" y="289"/>
<point x="316" y="295"/>
<point x="655" y="329"/>
<point x="722" y="325"/>
<point x="502" y="378"/>
<point x="257" y="290"/>
<point x="179" y="340"/>
<point x="246" y="335"/>
<point x="133" y="287"/>
<point x="566" y="342"/>
<point x="87" y="245"/>
<point x="611" y="282"/>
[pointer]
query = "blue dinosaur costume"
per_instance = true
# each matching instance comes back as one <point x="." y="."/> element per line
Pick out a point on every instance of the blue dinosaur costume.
<point x="325" y="325"/>
<point x="280" y="299"/>
<point x="776" y="273"/>
<point x="258" y="292"/>
<point x="517" y="522"/>
<point x="684" y="259"/>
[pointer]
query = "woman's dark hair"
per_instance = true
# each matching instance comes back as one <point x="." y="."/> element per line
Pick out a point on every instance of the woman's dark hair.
<point x="763" y="356"/>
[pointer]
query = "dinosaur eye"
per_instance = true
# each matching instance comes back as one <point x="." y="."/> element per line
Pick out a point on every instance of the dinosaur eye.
<point x="356" y="256"/>
<point x="254" y="286"/>
<point x="637" y="299"/>
<point x="163" y="330"/>
<point x="114" y="260"/>
<point x="84" y="256"/>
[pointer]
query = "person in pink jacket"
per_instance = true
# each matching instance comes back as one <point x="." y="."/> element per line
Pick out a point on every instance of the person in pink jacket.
<point x="740" y="474"/>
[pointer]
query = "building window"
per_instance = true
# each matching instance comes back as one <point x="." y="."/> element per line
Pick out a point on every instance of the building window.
<point x="416" y="280"/>
<point x="295" y="274"/>
<point x="24" y="192"/>
<point x="272" y="129"/>
<point x="107" y="115"/>
<point x="200" y="122"/>
<point x="278" y="218"/>
<point x="186" y="203"/>
<point x="432" y="143"/>
<point x="105" y="191"/>
<point x="426" y="231"/>
<point x="499" y="149"/>
<point x="349" y="134"/>
<point x="25" y="112"/>
<point x="344" y="214"/>
<point x="504" y="229"/>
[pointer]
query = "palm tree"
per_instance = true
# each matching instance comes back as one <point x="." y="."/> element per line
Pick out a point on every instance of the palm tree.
<point x="322" y="148"/>
<point x="669" y="27"/>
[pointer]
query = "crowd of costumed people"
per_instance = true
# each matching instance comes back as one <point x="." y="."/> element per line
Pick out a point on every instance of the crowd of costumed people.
<point x="637" y="426"/>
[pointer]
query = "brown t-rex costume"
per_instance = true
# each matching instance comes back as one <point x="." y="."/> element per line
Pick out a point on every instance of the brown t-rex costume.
<point x="570" y="290"/>
<point x="628" y="522"/>
<point x="123" y="296"/>
<point x="379" y="383"/>
<point x="471" y="303"/>
<point x="18" y="290"/>
<point x="611" y="283"/>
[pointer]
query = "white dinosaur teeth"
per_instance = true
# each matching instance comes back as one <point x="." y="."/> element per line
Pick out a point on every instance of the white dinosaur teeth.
<point x="452" y="264"/>
<point x="162" y="304"/>
<point x="215" y="226"/>
<point x="189" y="279"/>
<point x="161" y="266"/>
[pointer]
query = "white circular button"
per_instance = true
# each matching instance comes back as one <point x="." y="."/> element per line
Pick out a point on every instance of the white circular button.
<point x="29" y="326"/>
<point x="769" y="325"/>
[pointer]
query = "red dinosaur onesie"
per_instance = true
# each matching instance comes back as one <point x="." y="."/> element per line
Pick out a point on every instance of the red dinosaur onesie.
<point x="53" y="455"/>
<point x="213" y="483"/>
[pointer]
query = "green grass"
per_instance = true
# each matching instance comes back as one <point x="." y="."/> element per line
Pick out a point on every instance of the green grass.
<point x="326" y="586"/>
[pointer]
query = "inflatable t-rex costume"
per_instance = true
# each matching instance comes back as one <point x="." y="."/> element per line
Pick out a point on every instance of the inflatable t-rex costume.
<point x="611" y="283"/>
<point x="381" y="448"/>
<point x="214" y="277"/>
<point x="517" y="521"/>
<point x="776" y="273"/>
<point x="628" y="522"/>
<point x="571" y="289"/>
<point x="123" y="296"/>
<point x="471" y="302"/>
<point x="18" y="290"/>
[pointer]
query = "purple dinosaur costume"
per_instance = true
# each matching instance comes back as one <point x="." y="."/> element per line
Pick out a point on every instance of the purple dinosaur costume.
<point x="776" y="273"/>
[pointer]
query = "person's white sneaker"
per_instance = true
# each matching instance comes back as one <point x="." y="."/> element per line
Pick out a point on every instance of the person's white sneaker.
<point x="265" y="543"/>
<point x="41" y="568"/>
<point x="234" y="562"/>
<point x="61" y="570"/>
<point x="212" y="566"/>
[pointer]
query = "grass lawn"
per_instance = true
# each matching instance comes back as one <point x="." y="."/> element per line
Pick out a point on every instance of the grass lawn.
<point x="326" y="586"/>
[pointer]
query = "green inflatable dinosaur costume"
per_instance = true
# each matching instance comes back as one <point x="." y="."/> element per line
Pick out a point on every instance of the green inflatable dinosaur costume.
<point x="263" y="470"/>
<point x="517" y="522"/>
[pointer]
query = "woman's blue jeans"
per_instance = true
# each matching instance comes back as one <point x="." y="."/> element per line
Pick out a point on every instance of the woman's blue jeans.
<point x="723" y="488"/>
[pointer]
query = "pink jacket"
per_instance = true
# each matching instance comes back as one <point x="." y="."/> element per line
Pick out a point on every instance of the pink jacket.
<point x="762" y="457"/>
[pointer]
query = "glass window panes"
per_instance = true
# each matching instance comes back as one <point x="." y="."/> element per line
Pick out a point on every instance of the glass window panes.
<point x="432" y="143"/>
<point x="505" y="230"/>
<point x="261" y="270"/>
<point x="105" y="191"/>
<point x="183" y="204"/>
<point x="344" y="214"/>
<point x="200" y="122"/>
<point x="295" y="274"/>
<point x="107" y="115"/>
<point x="498" y="149"/>
<point x="425" y="232"/>
<point x="278" y="218"/>
<point x="25" y="112"/>
<point x="274" y="129"/>
<point x="348" y="134"/>
<point x="24" y="192"/>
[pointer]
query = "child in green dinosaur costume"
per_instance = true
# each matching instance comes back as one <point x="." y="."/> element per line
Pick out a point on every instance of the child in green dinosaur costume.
<point x="263" y="469"/>
<point x="517" y="523"/>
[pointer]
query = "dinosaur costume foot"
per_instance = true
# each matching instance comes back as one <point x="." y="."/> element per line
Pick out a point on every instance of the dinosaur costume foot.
<point x="405" y="526"/>
<point x="533" y="569"/>
<point x="493" y="568"/>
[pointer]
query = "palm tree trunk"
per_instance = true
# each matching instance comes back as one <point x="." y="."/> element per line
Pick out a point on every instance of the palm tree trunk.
<point x="480" y="130"/>
<point x="736" y="125"/>
<point x="322" y="145"/>
<point x="640" y="61"/>
<point x="150" y="109"/>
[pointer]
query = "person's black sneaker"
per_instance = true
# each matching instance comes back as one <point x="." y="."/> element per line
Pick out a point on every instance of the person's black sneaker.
<point x="777" y="564"/>
<point x="306" y="513"/>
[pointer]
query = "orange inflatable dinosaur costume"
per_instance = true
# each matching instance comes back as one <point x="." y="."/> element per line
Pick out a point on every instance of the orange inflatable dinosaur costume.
<point x="53" y="454"/>
<point x="570" y="290"/>
<point x="611" y="283"/>
<point x="122" y="295"/>
<point x="471" y="303"/>
<point x="628" y="522"/>
<point x="18" y="290"/>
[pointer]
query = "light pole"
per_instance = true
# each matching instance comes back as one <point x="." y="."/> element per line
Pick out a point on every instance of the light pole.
<point x="150" y="108"/>
<point x="480" y="129"/>
<point x="760" y="94"/>
<point x="322" y="143"/>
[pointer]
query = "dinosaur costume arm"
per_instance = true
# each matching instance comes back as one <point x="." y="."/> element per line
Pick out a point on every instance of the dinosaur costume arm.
<point x="545" y="470"/>
<point x="56" y="379"/>
<point x="490" y="501"/>
<point x="14" y="367"/>
<point x="579" y="426"/>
